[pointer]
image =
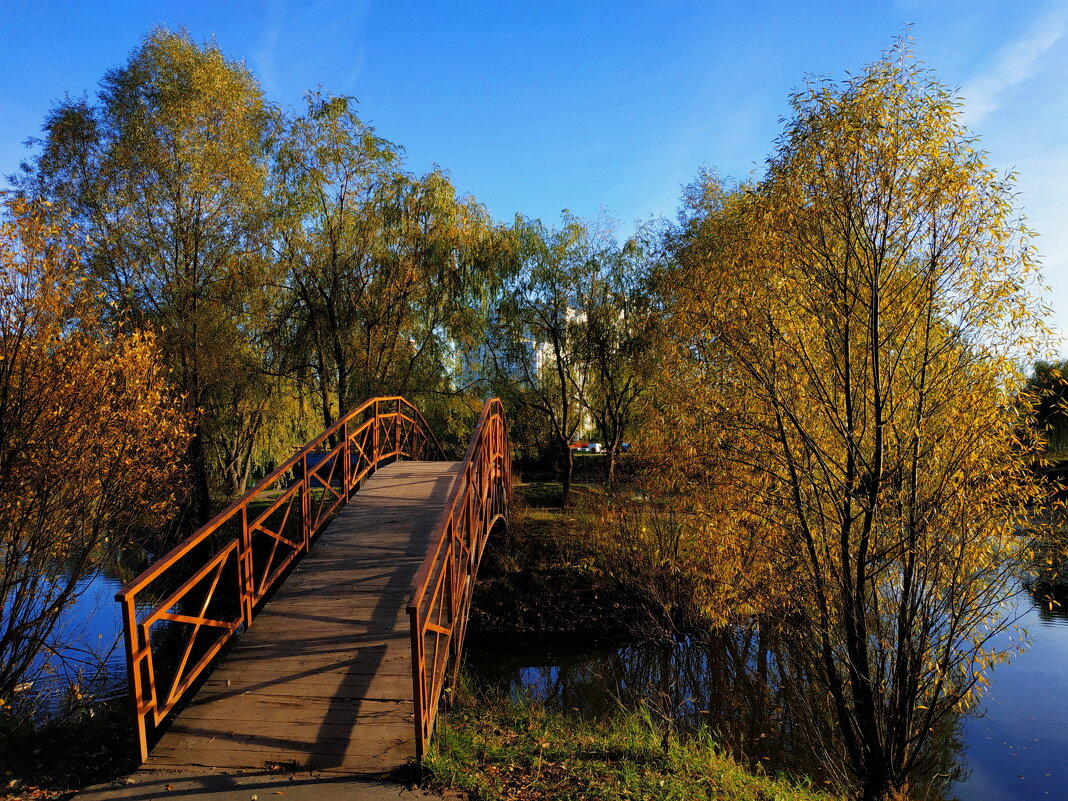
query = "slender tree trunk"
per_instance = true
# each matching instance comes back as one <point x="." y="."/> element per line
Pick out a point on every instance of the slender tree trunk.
<point x="324" y="385"/>
<point x="200" y="493"/>
<point x="568" y="469"/>
<point x="614" y="444"/>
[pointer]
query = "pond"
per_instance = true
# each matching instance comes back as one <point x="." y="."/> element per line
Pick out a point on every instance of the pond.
<point x="1012" y="748"/>
<point x="1015" y="746"/>
<point x="90" y="655"/>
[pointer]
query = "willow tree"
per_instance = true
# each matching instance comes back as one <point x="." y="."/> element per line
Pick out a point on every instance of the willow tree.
<point x="1047" y="390"/>
<point x="386" y="272"/>
<point x="852" y="325"/>
<point x="166" y="175"/>
<point x="330" y="168"/>
<point x="617" y="336"/>
<point x="536" y="338"/>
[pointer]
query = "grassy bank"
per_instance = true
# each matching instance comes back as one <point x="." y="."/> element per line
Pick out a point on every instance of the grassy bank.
<point x="590" y="569"/>
<point x="497" y="749"/>
<point x="555" y="571"/>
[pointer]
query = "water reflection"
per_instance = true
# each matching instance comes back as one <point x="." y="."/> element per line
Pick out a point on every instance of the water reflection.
<point x="88" y="663"/>
<point x="1010" y="749"/>
<point x="1050" y="602"/>
<point x="1015" y="745"/>
<point x="734" y="684"/>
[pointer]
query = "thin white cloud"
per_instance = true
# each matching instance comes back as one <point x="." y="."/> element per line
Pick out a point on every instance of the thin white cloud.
<point x="1043" y="198"/>
<point x="265" y="62"/>
<point x="1013" y="64"/>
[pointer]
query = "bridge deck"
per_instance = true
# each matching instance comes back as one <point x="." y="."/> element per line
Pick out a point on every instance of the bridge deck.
<point x="322" y="680"/>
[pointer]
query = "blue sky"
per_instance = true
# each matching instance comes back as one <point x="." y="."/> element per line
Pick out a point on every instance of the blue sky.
<point x="589" y="106"/>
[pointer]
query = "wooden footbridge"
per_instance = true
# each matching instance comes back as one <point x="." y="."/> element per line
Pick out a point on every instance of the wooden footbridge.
<point x="314" y="622"/>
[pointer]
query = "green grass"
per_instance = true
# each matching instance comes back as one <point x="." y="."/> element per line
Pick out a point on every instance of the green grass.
<point x="545" y="575"/>
<point x="498" y="749"/>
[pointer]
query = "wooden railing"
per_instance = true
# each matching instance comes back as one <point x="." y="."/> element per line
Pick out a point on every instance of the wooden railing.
<point x="442" y="589"/>
<point x="225" y="568"/>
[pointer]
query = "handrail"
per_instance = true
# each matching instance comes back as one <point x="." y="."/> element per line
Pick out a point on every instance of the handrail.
<point x="246" y="550"/>
<point x="443" y="587"/>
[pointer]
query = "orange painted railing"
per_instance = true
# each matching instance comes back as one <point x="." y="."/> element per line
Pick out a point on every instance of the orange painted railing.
<point x="442" y="589"/>
<point x="225" y="568"/>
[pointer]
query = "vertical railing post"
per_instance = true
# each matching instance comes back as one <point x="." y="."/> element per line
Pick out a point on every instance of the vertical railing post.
<point x="375" y="454"/>
<point x="133" y="670"/>
<point x="418" y="680"/>
<point x="245" y="572"/>
<point x="451" y="555"/>
<point x="397" y="431"/>
<point x="346" y="468"/>
<point x="475" y="537"/>
<point x="305" y="502"/>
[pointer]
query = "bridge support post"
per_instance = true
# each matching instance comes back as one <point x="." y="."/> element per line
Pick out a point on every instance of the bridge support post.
<point x="347" y="467"/>
<point x="133" y="671"/>
<point x="305" y="503"/>
<point x="419" y="694"/>
<point x="245" y="573"/>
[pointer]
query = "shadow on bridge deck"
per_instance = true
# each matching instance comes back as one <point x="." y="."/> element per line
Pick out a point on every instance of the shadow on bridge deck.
<point x="322" y="681"/>
<point x="245" y="785"/>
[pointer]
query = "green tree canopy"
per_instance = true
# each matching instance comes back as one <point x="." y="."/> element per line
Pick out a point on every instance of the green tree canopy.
<point x="166" y="173"/>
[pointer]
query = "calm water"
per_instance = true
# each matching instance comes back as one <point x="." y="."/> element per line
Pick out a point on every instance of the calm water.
<point x="1014" y="748"/>
<point x="92" y="656"/>
<point x="94" y="659"/>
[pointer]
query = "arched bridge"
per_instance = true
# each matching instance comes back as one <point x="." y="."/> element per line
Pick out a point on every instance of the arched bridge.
<point x="343" y="658"/>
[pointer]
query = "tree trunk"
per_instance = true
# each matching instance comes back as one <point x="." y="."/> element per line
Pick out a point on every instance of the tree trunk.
<point x="569" y="466"/>
<point x="199" y="504"/>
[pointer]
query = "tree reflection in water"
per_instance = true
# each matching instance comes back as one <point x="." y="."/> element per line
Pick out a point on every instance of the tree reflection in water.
<point x="742" y="685"/>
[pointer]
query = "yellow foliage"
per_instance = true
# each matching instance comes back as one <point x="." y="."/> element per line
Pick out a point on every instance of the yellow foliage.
<point x="841" y="402"/>
<point x="91" y="436"/>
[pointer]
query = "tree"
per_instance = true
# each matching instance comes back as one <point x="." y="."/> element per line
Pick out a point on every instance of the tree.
<point x="851" y="325"/>
<point x="1047" y="393"/>
<point x="536" y="331"/>
<point x="90" y="436"/>
<point x="166" y="176"/>
<point x="386" y="272"/>
<point x="331" y="168"/>
<point x="618" y="330"/>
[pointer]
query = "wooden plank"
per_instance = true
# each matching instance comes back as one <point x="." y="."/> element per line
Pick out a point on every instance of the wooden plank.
<point x="307" y="708"/>
<point x="361" y="645"/>
<point x="372" y="686"/>
<point x="322" y="679"/>
<point x="340" y="612"/>
<point x="302" y="663"/>
<point x="378" y="757"/>
<point x="304" y="724"/>
<point x="286" y="667"/>
<point x="299" y="737"/>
